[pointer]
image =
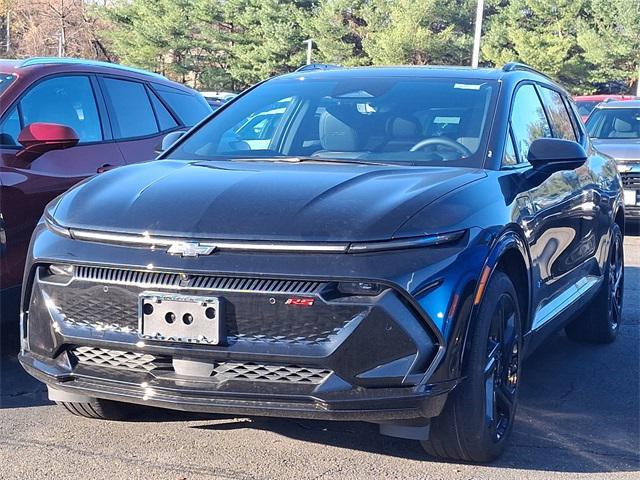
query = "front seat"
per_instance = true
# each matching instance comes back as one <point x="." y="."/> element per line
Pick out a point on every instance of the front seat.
<point x="403" y="133"/>
<point x="622" y="129"/>
<point x="338" y="137"/>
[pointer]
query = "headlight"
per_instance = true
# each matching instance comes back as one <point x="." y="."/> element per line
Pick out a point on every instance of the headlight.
<point x="61" y="270"/>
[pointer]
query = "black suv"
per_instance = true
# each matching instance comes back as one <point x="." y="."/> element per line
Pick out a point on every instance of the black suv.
<point x="377" y="244"/>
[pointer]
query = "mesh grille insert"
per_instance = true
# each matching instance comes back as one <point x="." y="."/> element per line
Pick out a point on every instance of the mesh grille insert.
<point x="119" y="359"/>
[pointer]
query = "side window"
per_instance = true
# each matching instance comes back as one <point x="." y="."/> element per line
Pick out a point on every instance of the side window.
<point x="65" y="100"/>
<point x="165" y="119"/>
<point x="575" y="118"/>
<point x="558" y="115"/>
<point x="190" y="107"/>
<point x="510" y="158"/>
<point x="528" y="120"/>
<point x="130" y="108"/>
<point x="10" y="129"/>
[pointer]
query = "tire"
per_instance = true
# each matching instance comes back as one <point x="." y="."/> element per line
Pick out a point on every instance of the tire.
<point x="476" y="422"/>
<point x="100" y="409"/>
<point x="600" y="321"/>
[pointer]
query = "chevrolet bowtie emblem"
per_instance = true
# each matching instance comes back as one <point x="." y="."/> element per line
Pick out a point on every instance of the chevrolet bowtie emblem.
<point x="190" y="249"/>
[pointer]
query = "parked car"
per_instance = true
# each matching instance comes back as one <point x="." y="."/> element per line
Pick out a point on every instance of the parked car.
<point x="614" y="128"/>
<point x="586" y="103"/>
<point x="217" y="99"/>
<point x="404" y="239"/>
<point x="62" y="120"/>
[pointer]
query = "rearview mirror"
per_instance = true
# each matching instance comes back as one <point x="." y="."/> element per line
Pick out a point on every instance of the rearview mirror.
<point x="168" y="140"/>
<point x="38" y="138"/>
<point x="554" y="154"/>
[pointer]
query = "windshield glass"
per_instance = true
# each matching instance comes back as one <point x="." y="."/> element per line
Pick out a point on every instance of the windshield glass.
<point x="383" y="119"/>
<point x="5" y="81"/>
<point x="617" y="123"/>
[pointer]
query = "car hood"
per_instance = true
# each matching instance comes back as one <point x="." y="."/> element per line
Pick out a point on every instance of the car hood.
<point x="619" y="149"/>
<point x="257" y="200"/>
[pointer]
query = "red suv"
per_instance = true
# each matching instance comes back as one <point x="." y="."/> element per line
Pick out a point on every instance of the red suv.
<point x="62" y="120"/>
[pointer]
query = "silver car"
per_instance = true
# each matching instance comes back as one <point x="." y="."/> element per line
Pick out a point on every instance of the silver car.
<point x="614" y="128"/>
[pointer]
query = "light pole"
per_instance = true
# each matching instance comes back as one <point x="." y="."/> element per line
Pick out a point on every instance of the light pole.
<point x="475" y="59"/>
<point x="309" y="43"/>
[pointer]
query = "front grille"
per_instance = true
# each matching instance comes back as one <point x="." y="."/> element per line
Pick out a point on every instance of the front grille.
<point x="631" y="180"/>
<point x="268" y="373"/>
<point x="107" y="299"/>
<point x="196" y="282"/>
<point x="223" y="371"/>
<point x="118" y="359"/>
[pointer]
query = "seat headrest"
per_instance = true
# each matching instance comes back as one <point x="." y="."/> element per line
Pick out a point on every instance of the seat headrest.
<point x="620" y="125"/>
<point x="403" y="127"/>
<point x="336" y="135"/>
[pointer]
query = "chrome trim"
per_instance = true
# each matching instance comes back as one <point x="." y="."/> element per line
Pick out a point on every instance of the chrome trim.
<point x="415" y="242"/>
<point x="194" y="247"/>
<point x="563" y="300"/>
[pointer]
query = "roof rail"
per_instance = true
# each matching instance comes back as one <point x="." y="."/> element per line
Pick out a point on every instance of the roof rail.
<point x="81" y="61"/>
<point x="317" y="66"/>
<point x="514" y="66"/>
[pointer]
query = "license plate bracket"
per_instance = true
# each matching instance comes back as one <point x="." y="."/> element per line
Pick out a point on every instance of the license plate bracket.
<point x="175" y="317"/>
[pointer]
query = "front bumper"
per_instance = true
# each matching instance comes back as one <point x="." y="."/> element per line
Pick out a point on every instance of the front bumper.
<point x="350" y="357"/>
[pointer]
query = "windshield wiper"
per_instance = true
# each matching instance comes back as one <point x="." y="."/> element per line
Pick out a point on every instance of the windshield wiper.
<point x="312" y="159"/>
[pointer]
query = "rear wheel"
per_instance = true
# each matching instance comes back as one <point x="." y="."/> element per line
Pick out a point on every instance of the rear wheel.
<point x="600" y="321"/>
<point x="477" y="420"/>
<point x="100" y="409"/>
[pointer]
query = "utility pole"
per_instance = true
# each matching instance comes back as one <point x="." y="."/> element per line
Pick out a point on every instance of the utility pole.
<point x="309" y="43"/>
<point x="8" y="32"/>
<point x="475" y="59"/>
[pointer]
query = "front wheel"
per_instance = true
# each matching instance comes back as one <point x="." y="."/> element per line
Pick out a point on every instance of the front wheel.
<point x="477" y="419"/>
<point x="600" y="321"/>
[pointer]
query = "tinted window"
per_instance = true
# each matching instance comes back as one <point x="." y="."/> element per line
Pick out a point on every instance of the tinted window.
<point x="131" y="111"/>
<point x="165" y="119"/>
<point x="558" y="116"/>
<point x="585" y="107"/>
<point x="65" y="100"/>
<point x="614" y="123"/>
<point x="510" y="157"/>
<point x="385" y="119"/>
<point x="10" y="128"/>
<point x="528" y="120"/>
<point x="5" y="81"/>
<point x="190" y="107"/>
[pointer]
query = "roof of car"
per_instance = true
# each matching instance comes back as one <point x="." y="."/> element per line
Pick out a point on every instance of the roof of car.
<point x="600" y="98"/>
<point x="9" y="66"/>
<point x="620" y="104"/>
<point x="412" y="71"/>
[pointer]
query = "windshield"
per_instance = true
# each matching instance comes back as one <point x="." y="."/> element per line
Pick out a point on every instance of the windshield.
<point x="382" y="119"/>
<point x="619" y="123"/>
<point x="5" y="81"/>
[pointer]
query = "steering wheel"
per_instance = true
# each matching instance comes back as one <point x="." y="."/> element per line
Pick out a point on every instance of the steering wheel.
<point x="441" y="141"/>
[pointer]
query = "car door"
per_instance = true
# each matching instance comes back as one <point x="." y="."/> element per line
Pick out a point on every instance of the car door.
<point x="588" y="210"/>
<point x="139" y="118"/>
<point x="27" y="186"/>
<point x="553" y="222"/>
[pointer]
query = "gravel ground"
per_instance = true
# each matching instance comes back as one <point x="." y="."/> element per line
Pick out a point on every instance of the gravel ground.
<point x="578" y="418"/>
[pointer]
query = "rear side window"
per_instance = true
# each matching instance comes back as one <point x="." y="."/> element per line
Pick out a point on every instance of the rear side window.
<point x="165" y="119"/>
<point x="558" y="115"/>
<point x="190" y="107"/>
<point x="65" y="100"/>
<point x="130" y="109"/>
<point x="528" y="120"/>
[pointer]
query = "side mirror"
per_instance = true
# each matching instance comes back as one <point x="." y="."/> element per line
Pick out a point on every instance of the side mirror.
<point x="554" y="154"/>
<point x="168" y="140"/>
<point x="39" y="138"/>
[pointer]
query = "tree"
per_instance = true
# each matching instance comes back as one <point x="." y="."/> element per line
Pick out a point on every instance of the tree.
<point x="419" y="32"/>
<point x="338" y="28"/>
<point x="266" y="37"/>
<point x="610" y="39"/>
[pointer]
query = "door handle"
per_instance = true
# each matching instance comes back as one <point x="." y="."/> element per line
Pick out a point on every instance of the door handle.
<point x="104" y="168"/>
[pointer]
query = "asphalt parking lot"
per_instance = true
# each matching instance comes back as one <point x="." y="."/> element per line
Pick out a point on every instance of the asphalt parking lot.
<point x="579" y="417"/>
